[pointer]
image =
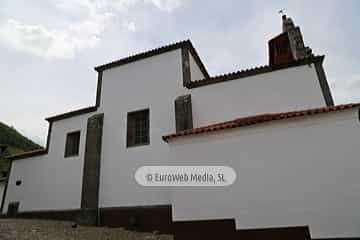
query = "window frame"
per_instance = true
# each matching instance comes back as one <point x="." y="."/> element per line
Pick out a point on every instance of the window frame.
<point x="128" y="119"/>
<point x="68" y="135"/>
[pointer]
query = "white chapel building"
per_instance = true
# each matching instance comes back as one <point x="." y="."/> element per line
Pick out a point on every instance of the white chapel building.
<point x="295" y="153"/>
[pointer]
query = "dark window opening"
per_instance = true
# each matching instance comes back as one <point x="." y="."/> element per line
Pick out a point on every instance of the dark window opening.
<point x="282" y="47"/>
<point x="13" y="209"/>
<point x="18" y="182"/>
<point x="3" y="174"/>
<point x="72" y="144"/>
<point x="183" y="113"/>
<point x="138" y="128"/>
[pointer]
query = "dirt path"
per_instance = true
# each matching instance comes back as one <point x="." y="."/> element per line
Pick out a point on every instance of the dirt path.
<point x="21" y="229"/>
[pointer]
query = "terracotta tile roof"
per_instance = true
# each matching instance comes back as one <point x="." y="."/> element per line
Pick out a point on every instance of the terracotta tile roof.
<point x="28" y="154"/>
<point x="182" y="44"/>
<point x="256" y="119"/>
<point x="253" y="71"/>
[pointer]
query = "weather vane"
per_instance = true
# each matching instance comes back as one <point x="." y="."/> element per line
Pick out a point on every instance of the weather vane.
<point x="281" y="11"/>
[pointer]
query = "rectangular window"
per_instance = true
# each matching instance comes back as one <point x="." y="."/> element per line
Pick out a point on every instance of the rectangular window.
<point x="138" y="128"/>
<point x="72" y="144"/>
<point x="183" y="113"/>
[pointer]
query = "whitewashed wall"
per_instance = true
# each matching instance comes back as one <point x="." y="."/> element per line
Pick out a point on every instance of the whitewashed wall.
<point x="152" y="83"/>
<point x="54" y="182"/>
<point x="283" y="90"/>
<point x="50" y="181"/>
<point x="289" y="173"/>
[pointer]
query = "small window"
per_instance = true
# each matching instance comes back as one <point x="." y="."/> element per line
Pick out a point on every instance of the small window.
<point x="72" y="144"/>
<point x="13" y="209"/>
<point x="138" y="128"/>
<point x="18" y="182"/>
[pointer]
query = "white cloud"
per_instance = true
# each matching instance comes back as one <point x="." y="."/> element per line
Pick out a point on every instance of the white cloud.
<point x="40" y="41"/>
<point x="165" y="5"/>
<point x="130" y="26"/>
<point x="34" y="39"/>
<point x="93" y="7"/>
<point x="346" y="88"/>
<point x="94" y="16"/>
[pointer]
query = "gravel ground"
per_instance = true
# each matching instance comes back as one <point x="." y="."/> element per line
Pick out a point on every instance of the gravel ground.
<point x="21" y="229"/>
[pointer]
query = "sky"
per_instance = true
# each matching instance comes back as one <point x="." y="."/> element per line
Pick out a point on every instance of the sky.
<point x="49" y="48"/>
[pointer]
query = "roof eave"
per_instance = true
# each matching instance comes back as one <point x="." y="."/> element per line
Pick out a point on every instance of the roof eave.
<point x="254" y="71"/>
<point x="27" y="154"/>
<point x="257" y="119"/>
<point x="71" y="114"/>
<point x="143" y="55"/>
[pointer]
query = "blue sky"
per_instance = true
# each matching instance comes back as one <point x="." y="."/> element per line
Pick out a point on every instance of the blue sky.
<point x="49" y="47"/>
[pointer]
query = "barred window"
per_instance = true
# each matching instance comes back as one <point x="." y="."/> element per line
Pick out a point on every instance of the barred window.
<point x="72" y="144"/>
<point x="138" y="128"/>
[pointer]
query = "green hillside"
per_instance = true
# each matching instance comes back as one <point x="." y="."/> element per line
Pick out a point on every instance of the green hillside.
<point x="12" y="138"/>
<point x="15" y="143"/>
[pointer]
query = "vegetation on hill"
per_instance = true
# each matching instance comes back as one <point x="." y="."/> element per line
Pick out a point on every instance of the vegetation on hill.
<point x="12" y="138"/>
<point x="15" y="143"/>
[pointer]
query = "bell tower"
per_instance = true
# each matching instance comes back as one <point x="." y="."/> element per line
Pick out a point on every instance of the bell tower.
<point x="289" y="45"/>
<point x="298" y="48"/>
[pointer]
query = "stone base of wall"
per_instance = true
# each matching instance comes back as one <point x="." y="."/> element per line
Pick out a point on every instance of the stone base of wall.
<point x="87" y="217"/>
<point x="293" y="233"/>
<point x="159" y="218"/>
<point x="225" y="229"/>
<point x="211" y="229"/>
<point x="63" y="215"/>
<point x="144" y="219"/>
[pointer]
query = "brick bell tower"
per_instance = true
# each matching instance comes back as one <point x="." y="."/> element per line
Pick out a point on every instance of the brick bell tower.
<point x="289" y="45"/>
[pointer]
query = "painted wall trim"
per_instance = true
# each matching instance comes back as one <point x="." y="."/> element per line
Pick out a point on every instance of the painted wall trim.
<point x="98" y="89"/>
<point x="323" y="82"/>
<point x="5" y="189"/>
<point x="91" y="170"/>
<point x="185" y="64"/>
